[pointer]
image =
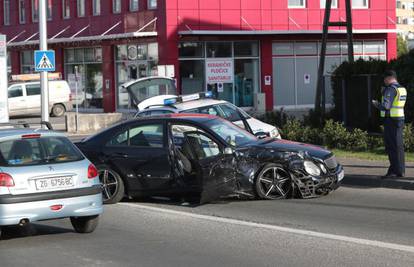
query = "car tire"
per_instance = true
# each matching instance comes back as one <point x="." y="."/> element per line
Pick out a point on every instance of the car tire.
<point x="113" y="188"/>
<point x="84" y="225"/>
<point x="273" y="182"/>
<point x="58" y="110"/>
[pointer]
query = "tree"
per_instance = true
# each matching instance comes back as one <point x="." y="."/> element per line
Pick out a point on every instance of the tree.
<point x="402" y="46"/>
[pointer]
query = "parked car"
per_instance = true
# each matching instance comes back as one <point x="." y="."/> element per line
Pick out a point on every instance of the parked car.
<point x="44" y="176"/>
<point x="205" y="154"/>
<point x="24" y="98"/>
<point x="202" y="103"/>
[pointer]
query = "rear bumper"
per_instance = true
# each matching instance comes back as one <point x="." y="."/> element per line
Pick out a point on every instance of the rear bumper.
<point x="39" y="208"/>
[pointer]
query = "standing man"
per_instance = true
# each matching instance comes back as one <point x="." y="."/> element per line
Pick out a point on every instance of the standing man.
<point x="392" y="105"/>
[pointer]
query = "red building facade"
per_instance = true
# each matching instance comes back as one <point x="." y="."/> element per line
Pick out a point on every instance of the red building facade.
<point x="266" y="47"/>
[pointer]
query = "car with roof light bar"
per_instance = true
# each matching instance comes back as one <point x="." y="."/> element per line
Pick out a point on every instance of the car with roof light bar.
<point x="43" y="176"/>
<point x="205" y="104"/>
<point x="207" y="156"/>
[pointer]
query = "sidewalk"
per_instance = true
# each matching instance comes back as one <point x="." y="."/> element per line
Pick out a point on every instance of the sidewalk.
<point x="366" y="173"/>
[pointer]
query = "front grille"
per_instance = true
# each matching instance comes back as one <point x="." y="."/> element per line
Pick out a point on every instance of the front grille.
<point x="331" y="163"/>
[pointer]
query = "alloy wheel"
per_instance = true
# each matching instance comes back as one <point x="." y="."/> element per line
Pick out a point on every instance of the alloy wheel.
<point x="109" y="184"/>
<point x="274" y="183"/>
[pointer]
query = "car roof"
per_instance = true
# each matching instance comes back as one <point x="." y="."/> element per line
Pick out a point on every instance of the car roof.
<point x="192" y="104"/>
<point x="10" y="132"/>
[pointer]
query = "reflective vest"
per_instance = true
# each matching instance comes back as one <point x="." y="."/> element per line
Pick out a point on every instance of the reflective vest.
<point x="397" y="109"/>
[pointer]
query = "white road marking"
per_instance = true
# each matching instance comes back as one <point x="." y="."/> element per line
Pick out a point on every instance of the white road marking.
<point x="360" y="241"/>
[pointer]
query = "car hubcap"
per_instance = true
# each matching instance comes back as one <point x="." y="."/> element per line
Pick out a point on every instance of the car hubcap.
<point x="275" y="183"/>
<point x="109" y="184"/>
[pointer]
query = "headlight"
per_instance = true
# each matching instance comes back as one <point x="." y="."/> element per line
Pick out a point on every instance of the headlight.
<point x="311" y="168"/>
<point x="275" y="133"/>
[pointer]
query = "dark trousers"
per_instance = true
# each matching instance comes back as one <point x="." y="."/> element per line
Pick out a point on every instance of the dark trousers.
<point x="394" y="145"/>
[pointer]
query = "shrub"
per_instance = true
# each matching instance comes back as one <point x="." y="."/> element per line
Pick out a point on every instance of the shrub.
<point x="335" y="134"/>
<point x="357" y="140"/>
<point x="408" y="138"/>
<point x="276" y="118"/>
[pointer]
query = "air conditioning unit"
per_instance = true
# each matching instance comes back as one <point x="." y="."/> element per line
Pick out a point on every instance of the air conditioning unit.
<point x="259" y="100"/>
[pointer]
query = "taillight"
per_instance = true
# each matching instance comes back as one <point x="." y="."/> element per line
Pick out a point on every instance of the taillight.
<point x="6" y="180"/>
<point x="70" y="97"/>
<point x="92" y="171"/>
<point x="31" y="136"/>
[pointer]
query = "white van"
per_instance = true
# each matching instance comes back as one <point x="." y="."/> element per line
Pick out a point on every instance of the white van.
<point x="24" y="98"/>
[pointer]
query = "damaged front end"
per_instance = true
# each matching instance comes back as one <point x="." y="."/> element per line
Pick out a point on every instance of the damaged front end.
<point x="313" y="176"/>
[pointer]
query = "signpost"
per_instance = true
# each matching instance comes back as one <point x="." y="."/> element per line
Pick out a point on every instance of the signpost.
<point x="43" y="60"/>
<point x="4" y="110"/>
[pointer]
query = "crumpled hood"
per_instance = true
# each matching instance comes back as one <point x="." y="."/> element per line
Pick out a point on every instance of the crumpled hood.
<point x="290" y="146"/>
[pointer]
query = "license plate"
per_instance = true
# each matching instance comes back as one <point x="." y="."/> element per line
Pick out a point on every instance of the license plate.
<point x="341" y="176"/>
<point x="54" y="183"/>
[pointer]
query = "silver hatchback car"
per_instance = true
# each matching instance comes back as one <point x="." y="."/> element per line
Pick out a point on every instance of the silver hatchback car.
<point x="44" y="176"/>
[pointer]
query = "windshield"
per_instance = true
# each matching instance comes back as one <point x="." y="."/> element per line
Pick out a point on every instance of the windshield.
<point x="38" y="151"/>
<point x="232" y="134"/>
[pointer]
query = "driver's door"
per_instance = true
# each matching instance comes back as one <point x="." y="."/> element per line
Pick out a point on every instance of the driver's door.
<point x="213" y="170"/>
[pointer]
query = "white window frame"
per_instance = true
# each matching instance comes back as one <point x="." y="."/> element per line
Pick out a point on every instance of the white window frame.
<point x="80" y="3"/>
<point x="334" y="4"/>
<point x="131" y="5"/>
<point x="149" y="6"/>
<point x="114" y="5"/>
<point x="292" y="6"/>
<point x="22" y="19"/>
<point x="360" y="7"/>
<point x="6" y="12"/>
<point x="96" y="7"/>
<point x="64" y="4"/>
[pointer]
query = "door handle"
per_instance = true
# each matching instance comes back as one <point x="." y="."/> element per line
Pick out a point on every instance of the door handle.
<point x="119" y="154"/>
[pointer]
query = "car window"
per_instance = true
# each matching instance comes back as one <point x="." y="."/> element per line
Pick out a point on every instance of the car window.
<point x="151" y="135"/>
<point x="15" y="91"/>
<point x="211" y="110"/>
<point x="38" y="151"/>
<point x="145" y="114"/>
<point x="232" y="134"/>
<point x="161" y="112"/>
<point x="193" y="142"/>
<point x="230" y="113"/>
<point x="32" y="89"/>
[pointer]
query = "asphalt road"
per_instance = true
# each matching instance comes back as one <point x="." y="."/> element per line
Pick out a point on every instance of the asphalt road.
<point x="58" y="123"/>
<point x="351" y="227"/>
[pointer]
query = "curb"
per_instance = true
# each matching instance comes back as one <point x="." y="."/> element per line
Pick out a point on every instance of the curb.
<point x="377" y="182"/>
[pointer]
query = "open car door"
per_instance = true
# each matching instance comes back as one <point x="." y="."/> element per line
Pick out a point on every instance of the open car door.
<point x="150" y="91"/>
<point x="214" y="168"/>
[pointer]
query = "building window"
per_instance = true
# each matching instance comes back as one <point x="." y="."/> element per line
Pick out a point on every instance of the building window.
<point x="66" y="9"/>
<point x="134" y="61"/>
<point x="27" y="61"/>
<point x="152" y="4"/>
<point x="49" y="9"/>
<point x="6" y="9"/>
<point x="22" y="11"/>
<point x="360" y="3"/>
<point x="81" y="8"/>
<point x="296" y="3"/>
<point x="116" y="6"/>
<point x="96" y="7"/>
<point x="240" y="61"/>
<point x="133" y="5"/>
<point x="35" y="10"/>
<point x="88" y="63"/>
<point x="334" y="3"/>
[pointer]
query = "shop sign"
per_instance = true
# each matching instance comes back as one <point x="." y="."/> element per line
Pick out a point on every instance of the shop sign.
<point x="4" y="111"/>
<point x="219" y="71"/>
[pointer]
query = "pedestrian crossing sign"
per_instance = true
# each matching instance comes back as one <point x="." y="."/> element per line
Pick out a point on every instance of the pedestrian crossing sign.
<point x="44" y="60"/>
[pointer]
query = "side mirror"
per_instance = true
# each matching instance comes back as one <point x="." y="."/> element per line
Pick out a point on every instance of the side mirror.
<point x="228" y="151"/>
<point x="261" y="135"/>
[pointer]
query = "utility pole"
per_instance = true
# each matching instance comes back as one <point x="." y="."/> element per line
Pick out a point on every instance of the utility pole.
<point x="320" y="90"/>
<point x="43" y="47"/>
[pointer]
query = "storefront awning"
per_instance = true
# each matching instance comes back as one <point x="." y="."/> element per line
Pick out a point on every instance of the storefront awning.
<point x="290" y="32"/>
<point x="88" y="38"/>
